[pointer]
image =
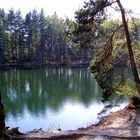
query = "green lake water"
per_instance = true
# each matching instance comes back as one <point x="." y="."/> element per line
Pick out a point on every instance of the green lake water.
<point x="50" y="98"/>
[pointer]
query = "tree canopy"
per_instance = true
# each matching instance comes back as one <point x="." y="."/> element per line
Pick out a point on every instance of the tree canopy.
<point x="108" y="41"/>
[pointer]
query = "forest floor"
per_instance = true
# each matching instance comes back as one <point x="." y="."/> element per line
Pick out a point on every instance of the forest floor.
<point x="120" y="125"/>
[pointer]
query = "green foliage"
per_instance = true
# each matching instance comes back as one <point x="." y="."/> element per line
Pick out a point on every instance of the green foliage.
<point x="103" y="70"/>
<point x="107" y="39"/>
<point x="128" y="91"/>
<point x="125" y="86"/>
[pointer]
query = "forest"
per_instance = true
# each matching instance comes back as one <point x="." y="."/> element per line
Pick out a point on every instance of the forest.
<point x="36" y="40"/>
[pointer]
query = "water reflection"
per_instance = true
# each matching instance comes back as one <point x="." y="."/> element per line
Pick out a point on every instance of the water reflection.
<point x="36" y="93"/>
<point x="46" y="98"/>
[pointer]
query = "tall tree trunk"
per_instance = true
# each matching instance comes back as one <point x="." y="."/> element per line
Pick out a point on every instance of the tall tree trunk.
<point x="129" y="46"/>
<point x="2" y="119"/>
<point x="130" y="51"/>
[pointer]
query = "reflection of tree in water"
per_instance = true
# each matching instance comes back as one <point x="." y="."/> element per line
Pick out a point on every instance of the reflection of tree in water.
<point x="38" y="90"/>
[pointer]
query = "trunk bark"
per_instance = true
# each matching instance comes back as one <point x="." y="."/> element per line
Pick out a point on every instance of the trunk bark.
<point x="2" y="119"/>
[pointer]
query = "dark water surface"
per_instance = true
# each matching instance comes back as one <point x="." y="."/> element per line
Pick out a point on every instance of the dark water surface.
<point x="50" y="98"/>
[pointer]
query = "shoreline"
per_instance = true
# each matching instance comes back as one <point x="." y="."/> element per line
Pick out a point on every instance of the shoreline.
<point x="40" y="65"/>
<point x="123" y="124"/>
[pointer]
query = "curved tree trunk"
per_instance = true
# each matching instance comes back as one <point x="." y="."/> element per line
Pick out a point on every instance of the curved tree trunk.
<point x="130" y="51"/>
<point x="2" y="119"/>
<point x="129" y="46"/>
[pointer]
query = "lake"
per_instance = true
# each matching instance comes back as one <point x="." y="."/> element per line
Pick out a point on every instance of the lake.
<point x="51" y="98"/>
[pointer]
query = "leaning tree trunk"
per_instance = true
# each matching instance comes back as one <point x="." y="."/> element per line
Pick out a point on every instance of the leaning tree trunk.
<point x="2" y="119"/>
<point x="130" y="51"/>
